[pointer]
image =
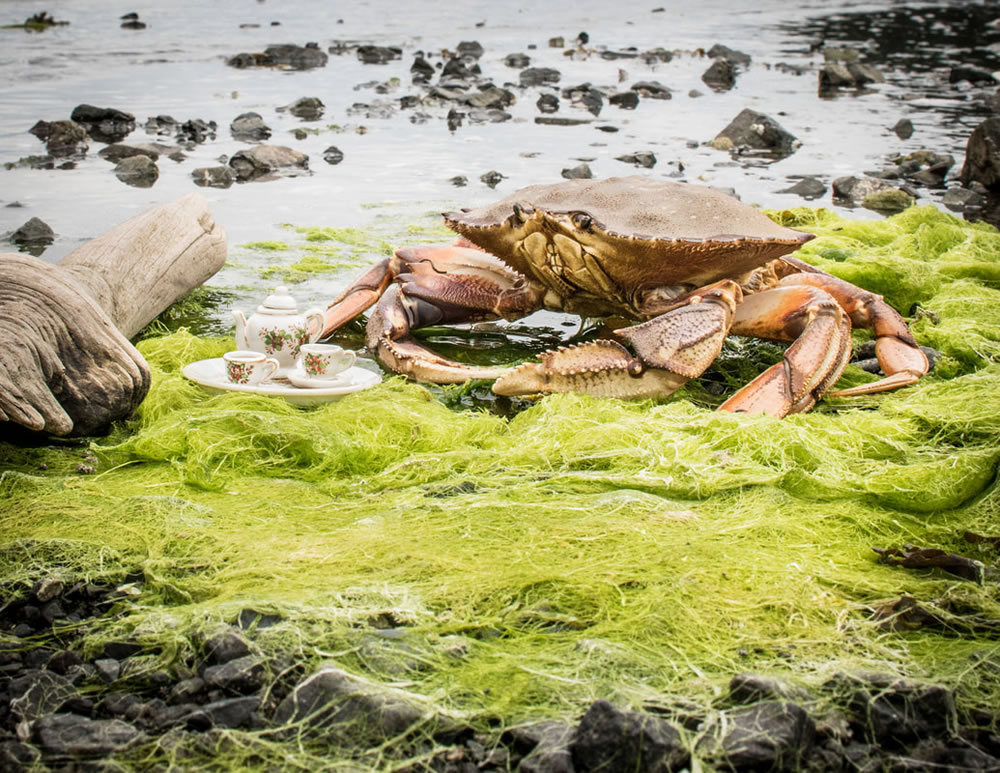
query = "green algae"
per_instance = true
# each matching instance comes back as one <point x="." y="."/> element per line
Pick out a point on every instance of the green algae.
<point x="638" y="551"/>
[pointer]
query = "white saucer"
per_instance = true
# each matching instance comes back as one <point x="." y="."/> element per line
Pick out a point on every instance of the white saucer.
<point x="211" y="374"/>
<point x="299" y="378"/>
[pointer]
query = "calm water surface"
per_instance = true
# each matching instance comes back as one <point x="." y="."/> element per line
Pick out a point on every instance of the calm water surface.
<point x="177" y="66"/>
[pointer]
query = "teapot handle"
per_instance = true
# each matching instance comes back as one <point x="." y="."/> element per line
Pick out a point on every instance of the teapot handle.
<point x="320" y="319"/>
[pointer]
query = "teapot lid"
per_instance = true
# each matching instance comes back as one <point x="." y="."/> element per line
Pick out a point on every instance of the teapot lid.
<point x="279" y="300"/>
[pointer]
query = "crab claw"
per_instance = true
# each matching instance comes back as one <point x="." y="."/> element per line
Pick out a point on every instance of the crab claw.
<point x="600" y="368"/>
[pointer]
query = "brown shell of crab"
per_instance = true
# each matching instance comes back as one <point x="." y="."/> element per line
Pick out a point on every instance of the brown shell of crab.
<point x="689" y="263"/>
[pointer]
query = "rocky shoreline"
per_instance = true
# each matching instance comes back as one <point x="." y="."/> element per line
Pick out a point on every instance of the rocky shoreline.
<point x="69" y="706"/>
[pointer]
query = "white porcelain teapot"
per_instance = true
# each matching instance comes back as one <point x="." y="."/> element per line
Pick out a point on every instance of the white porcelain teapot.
<point x="277" y="329"/>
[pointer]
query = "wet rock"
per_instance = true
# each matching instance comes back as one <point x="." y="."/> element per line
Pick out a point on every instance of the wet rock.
<point x="306" y="108"/>
<point x="379" y="54"/>
<point x="471" y="48"/>
<point x="63" y="661"/>
<point x="585" y="96"/>
<point x="808" y="188"/>
<point x="36" y="693"/>
<point x="76" y="737"/>
<point x="962" y="199"/>
<point x="652" y="90"/>
<point x="421" y="71"/>
<point x="33" y="236"/>
<point x="104" y="124"/>
<point x="249" y="127"/>
<point x="735" y="58"/>
<point x="544" y="746"/>
<point x="15" y="755"/>
<point x="855" y="75"/>
<point x="547" y="103"/>
<point x="214" y="176"/>
<point x="62" y="138"/>
<point x="626" y="100"/>
<point x="971" y="74"/>
<point x="137" y="171"/>
<point x="491" y="97"/>
<point x="539" y="76"/>
<point x="491" y="178"/>
<point x="118" y="704"/>
<point x="982" y="155"/>
<point x="253" y="619"/>
<point x="333" y="155"/>
<point x="489" y="116"/>
<point x="903" y="128"/>
<point x="889" y="202"/>
<point x="228" y="712"/>
<point x="720" y="75"/>
<point x="459" y="181"/>
<point x="643" y="158"/>
<point x="517" y="61"/>
<point x="226" y="645"/>
<point x="196" y="131"/>
<point x="118" y="152"/>
<point x="460" y="68"/>
<point x="133" y="24"/>
<point x="243" y="675"/>
<point x="775" y="735"/>
<point x="161" y="124"/>
<point x="614" y="741"/>
<point x="332" y="699"/>
<point x="579" y="172"/>
<point x="263" y="161"/>
<point x="108" y="669"/>
<point x="289" y="56"/>
<point x="853" y="190"/>
<point x="753" y="688"/>
<point x="755" y="131"/>
<point x="186" y="690"/>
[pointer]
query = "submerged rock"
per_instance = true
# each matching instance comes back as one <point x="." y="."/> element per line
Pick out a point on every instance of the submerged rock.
<point x="118" y="152"/>
<point x="808" y="188"/>
<point x="139" y="171"/>
<point x="214" y="176"/>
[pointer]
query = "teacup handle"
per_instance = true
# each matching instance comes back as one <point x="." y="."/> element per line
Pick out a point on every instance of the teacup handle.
<point x="273" y="365"/>
<point x="320" y="317"/>
<point x="350" y="357"/>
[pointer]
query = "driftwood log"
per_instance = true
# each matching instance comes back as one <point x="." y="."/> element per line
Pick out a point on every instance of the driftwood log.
<point x="66" y="364"/>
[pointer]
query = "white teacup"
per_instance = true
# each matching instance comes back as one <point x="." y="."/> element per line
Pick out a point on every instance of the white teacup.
<point x="249" y="368"/>
<point x="325" y="361"/>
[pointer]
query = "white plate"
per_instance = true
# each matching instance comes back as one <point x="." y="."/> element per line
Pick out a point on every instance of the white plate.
<point x="211" y="374"/>
<point x="299" y="378"/>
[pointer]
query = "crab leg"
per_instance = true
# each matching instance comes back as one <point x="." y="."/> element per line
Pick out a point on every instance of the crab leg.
<point x="821" y="332"/>
<point x="671" y="348"/>
<point x="421" y="286"/>
<point x="897" y="351"/>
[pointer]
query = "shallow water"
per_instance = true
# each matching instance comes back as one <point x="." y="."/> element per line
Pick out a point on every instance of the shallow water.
<point x="403" y="168"/>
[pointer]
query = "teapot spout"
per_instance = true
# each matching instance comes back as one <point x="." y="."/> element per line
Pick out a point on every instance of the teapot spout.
<point x="241" y="330"/>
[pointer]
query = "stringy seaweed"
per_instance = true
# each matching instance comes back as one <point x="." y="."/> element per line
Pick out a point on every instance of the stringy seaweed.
<point x="639" y="551"/>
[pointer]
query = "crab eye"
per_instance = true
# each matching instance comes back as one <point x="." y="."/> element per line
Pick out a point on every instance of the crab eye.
<point x="522" y="212"/>
<point x="582" y="221"/>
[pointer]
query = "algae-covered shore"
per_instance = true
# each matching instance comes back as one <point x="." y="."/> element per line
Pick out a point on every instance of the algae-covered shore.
<point x="488" y="572"/>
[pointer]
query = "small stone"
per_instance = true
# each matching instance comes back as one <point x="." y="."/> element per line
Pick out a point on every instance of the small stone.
<point x="735" y="58"/>
<point x="228" y="712"/>
<point x="333" y="155"/>
<point x="903" y="128"/>
<point x="758" y="132"/>
<point x="720" y="76"/>
<point x="306" y="108"/>
<point x="85" y="469"/>
<point x="960" y="199"/>
<point x="612" y="740"/>
<point x="117" y="152"/>
<point x="643" y="158"/>
<point x="765" y="736"/>
<point x="547" y="103"/>
<point x="137" y="171"/>
<point x="263" y="161"/>
<point x="109" y="669"/>
<point x="214" y="176"/>
<point x="807" y="188"/>
<point x="69" y="735"/>
<point x="249" y="127"/>
<point x="538" y="76"/>
<point x="491" y="178"/>
<point x="889" y="202"/>
<point x="625" y="100"/>
<point x="517" y="61"/>
<point x="242" y="675"/>
<point x="652" y="90"/>
<point x="580" y="172"/>
<point x="225" y="646"/>
<point x="34" y="233"/>
<point x="186" y="690"/>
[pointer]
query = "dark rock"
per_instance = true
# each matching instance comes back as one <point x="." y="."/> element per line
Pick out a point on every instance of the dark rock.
<point x="118" y="152"/>
<point x="854" y="75"/>
<point x="288" y="55"/>
<point x="517" y="61"/>
<point x="333" y="700"/>
<point x="249" y="127"/>
<point x="492" y="97"/>
<point x="15" y="755"/>
<point x="643" y="158"/>
<point x="491" y="178"/>
<point x="752" y="688"/>
<point x="903" y="128"/>
<point x="579" y="172"/>
<point x="119" y="704"/>
<point x="547" y="103"/>
<point x="252" y="619"/>
<point x="961" y="199"/>
<point x="756" y="132"/>
<point x="108" y="669"/>
<point x="242" y="675"/>
<point x="161" y="124"/>
<point x="69" y="735"/>
<point x="214" y="176"/>
<point x="137" y="171"/>
<point x="196" y="131"/>
<point x="550" y="120"/>
<point x="970" y="74"/>
<point x="228" y="712"/>
<point x="459" y="181"/>
<point x="720" y="76"/>
<point x="897" y="712"/>
<point x="544" y="746"/>
<point x="626" y="100"/>
<point x="614" y="741"/>
<point x="62" y="138"/>
<point x="186" y="690"/>
<point x="854" y="190"/>
<point x="104" y="124"/>
<point x="586" y="96"/>
<point x="652" y="89"/>
<point x="35" y="234"/>
<point x="982" y="155"/>
<point x="378" y="54"/>
<point x="37" y="693"/>
<point x="807" y="188"/>
<point x="460" y="68"/>
<point x="421" y="70"/>
<point x="471" y="48"/>
<point x="333" y="155"/>
<point x="263" y="161"/>
<point x="62" y="661"/>
<point x="225" y="646"/>
<point x="765" y="736"/>
<point x="538" y="76"/>
<point x="133" y="25"/>
<point x="306" y="108"/>
<point x="735" y="58"/>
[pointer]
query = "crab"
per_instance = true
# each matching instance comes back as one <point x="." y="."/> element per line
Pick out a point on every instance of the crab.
<point x="687" y="263"/>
